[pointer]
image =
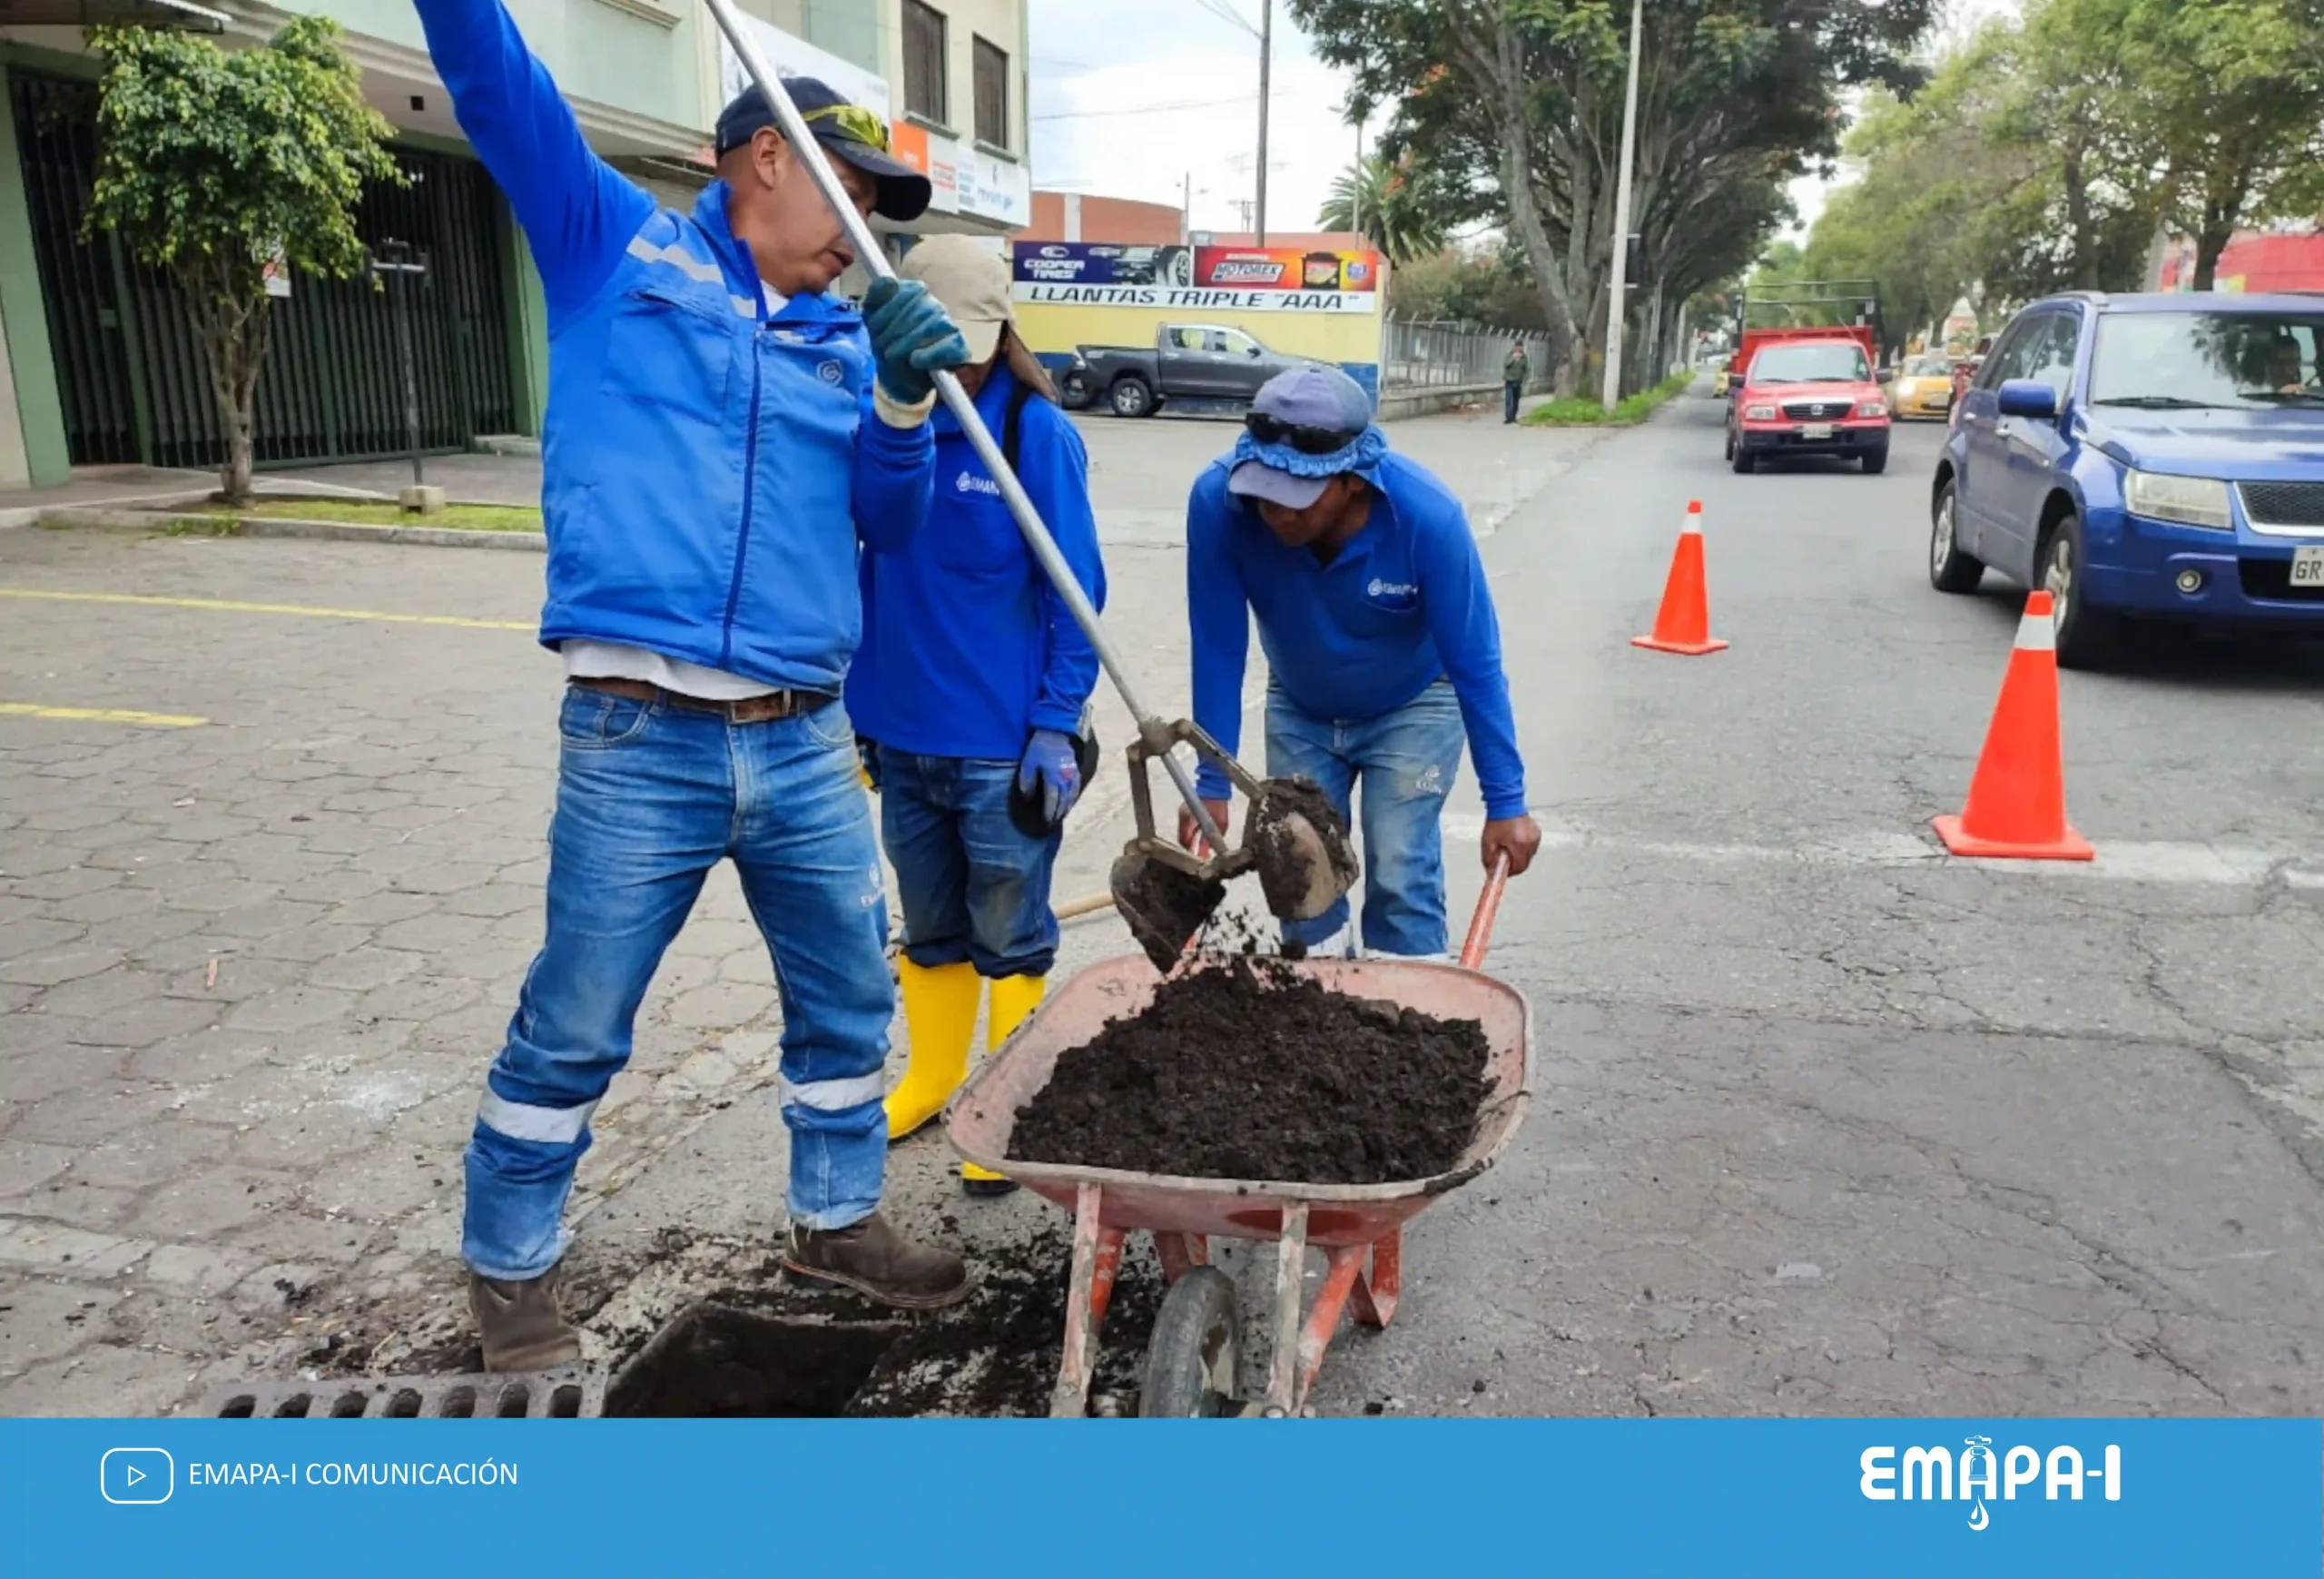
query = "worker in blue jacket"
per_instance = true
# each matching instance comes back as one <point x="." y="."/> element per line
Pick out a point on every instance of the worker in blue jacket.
<point x="721" y="435"/>
<point x="974" y="681"/>
<point x="1383" y="653"/>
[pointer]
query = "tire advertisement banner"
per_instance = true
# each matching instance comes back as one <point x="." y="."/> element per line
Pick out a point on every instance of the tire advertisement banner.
<point x="1196" y="279"/>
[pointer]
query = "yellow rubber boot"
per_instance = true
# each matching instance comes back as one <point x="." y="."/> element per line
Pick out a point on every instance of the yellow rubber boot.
<point x="939" y="1018"/>
<point x="1013" y="998"/>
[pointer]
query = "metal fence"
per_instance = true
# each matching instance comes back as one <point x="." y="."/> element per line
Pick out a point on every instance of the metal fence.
<point x="1447" y="356"/>
<point x="130" y="370"/>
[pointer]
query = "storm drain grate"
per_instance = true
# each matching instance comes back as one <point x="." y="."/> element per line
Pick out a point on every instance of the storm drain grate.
<point x="567" y="1393"/>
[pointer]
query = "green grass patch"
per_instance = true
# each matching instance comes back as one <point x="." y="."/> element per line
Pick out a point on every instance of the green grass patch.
<point x="370" y="513"/>
<point x="1579" y="411"/>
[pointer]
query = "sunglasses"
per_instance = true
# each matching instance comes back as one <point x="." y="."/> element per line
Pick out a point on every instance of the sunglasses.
<point x="854" y="122"/>
<point x="1305" y="439"/>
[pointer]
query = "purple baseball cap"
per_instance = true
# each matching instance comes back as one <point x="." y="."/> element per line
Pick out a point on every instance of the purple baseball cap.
<point x="1321" y="398"/>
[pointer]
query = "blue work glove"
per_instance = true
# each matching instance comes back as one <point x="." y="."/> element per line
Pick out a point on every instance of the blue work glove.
<point x="1051" y="770"/>
<point x="910" y="338"/>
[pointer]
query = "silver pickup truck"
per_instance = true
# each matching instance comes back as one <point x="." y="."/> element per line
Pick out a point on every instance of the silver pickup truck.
<point x="1187" y="361"/>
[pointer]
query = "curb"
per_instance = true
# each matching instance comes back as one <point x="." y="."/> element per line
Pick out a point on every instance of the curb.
<point x="89" y="519"/>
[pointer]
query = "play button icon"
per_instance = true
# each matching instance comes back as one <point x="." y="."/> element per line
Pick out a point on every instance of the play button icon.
<point x="136" y="1475"/>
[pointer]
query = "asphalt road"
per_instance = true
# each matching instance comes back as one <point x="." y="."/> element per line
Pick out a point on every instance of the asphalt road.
<point x="1828" y="1123"/>
<point x="1824" y="1122"/>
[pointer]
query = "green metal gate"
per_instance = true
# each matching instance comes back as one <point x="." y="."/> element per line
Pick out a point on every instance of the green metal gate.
<point x="129" y="364"/>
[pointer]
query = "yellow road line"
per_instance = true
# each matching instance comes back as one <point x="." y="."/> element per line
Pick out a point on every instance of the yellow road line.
<point x="224" y="606"/>
<point x="102" y="716"/>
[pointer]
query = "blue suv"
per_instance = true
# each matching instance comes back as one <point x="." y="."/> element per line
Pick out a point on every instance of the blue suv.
<point x="2143" y="456"/>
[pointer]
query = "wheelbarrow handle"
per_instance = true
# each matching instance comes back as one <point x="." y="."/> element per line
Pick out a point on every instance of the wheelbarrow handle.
<point x="956" y="399"/>
<point x="1473" y="950"/>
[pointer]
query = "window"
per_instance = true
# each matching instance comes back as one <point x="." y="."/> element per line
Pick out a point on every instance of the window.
<point x="2238" y="359"/>
<point x="991" y="84"/>
<point x="2011" y="354"/>
<point x="923" y="61"/>
<point x="1235" y="343"/>
<point x="2054" y="357"/>
<point x="1830" y="362"/>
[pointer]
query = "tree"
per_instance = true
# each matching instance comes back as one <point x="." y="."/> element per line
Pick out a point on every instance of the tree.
<point x="1520" y="104"/>
<point x="2231" y="95"/>
<point x="215" y="164"/>
<point x="1386" y="201"/>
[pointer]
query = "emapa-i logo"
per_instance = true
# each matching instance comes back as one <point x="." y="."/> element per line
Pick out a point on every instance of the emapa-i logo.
<point x="1928" y="1474"/>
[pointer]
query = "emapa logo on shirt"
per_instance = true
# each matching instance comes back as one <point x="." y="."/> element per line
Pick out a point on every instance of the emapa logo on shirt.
<point x="970" y="482"/>
<point x="1379" y="589"/>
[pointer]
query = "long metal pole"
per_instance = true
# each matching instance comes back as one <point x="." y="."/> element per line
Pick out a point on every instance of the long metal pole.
<point x="1355" y="203"/>
<point x="1613" y="389"/>
<point x="1154" y="733"/>
<point x="1266" y="61"/>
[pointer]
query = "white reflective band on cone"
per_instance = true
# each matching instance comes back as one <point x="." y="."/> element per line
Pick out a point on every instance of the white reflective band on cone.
<point x="830" y="1095"/>
<point x="2037" y="633"/>
<point x="522" y="1122"/>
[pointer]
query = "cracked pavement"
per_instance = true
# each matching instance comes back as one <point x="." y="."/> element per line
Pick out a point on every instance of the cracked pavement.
<point x="1824" y="1122"/>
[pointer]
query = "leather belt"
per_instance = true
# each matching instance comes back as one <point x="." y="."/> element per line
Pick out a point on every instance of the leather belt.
<point x="764" y="709"/>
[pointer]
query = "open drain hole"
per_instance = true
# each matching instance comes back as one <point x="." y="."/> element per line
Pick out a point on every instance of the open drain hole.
<point x="715" y="1360"/>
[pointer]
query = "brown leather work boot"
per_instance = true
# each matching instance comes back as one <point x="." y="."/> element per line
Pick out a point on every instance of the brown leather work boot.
<point x="870" y="1257"/>
<point x="523" y="1329"/>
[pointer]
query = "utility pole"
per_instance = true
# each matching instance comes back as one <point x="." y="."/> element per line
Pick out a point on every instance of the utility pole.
<point x="1613" y="388"/>
<point x="1355" y="203"/>
<point x="1267" y="55"/>
<point x="1187" y="209"/>
<point x="397" y="262"/>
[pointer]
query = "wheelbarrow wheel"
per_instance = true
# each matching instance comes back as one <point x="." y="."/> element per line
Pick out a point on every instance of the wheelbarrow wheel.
<point x="1197" y="1344"/>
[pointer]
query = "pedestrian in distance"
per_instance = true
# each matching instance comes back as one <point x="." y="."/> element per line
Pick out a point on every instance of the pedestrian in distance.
<point x="974" y="682"/>
<point x="1514" y="373"/>
<point x="723" y="434"/>
<point x="1383" y="649"/>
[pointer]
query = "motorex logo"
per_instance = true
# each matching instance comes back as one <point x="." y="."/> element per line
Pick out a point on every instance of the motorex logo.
<point x="1983" y="1478"/>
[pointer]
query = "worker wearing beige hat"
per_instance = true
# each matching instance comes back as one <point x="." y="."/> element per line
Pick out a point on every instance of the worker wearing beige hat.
<point x="972" y="685"/>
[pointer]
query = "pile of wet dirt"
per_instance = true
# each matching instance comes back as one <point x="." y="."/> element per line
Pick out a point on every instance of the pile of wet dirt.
<point x="998" y="1354"/>
<point x="1247" y="1069"/>
<point x="806" y="1350"/>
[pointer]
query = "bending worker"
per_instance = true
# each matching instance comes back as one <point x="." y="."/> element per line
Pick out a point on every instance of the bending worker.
<point x="722" y="432"/>
<point x="974" y="681"/>
<point x="1382" y="649"/>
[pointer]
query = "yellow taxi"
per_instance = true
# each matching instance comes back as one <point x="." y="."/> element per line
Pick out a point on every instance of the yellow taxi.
<point x="1923" y="388"/>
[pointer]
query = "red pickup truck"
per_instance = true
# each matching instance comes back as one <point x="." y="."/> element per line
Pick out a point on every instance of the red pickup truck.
<point x="1807" y="391"/>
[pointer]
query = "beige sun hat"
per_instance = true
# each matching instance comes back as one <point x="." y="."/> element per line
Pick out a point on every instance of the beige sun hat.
<point x="971" y="283"/>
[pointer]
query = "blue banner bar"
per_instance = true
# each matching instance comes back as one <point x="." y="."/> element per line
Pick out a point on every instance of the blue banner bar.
<point x="1963" y="1499"/>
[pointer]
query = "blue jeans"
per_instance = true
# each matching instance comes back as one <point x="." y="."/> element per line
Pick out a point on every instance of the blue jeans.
<point x="649" y="798"/>
<point x="1509" y="395"/>
<point x="973" y="886"/>
<point x="1406" y="761"/>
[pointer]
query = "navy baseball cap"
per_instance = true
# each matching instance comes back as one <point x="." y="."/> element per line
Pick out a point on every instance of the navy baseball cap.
<point x="1283" y="466"/>
<point x="846" y="130"/>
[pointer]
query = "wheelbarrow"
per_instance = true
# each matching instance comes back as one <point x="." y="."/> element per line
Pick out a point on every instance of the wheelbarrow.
<point x="1195" y="1353"/>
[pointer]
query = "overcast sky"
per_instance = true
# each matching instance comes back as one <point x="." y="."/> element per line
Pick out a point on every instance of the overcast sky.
<point x="1131" y="97"/>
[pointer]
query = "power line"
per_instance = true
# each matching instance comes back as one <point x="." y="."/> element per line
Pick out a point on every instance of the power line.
<point x="1226" y="12"/>
<point x="1149" y="109"/>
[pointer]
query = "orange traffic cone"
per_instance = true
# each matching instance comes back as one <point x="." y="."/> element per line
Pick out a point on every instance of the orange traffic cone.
<point x="2017" y="801"/>
<point x="1683" y="623"/>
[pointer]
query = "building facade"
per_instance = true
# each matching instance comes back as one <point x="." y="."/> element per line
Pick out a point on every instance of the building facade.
<point x="100" y="363"/>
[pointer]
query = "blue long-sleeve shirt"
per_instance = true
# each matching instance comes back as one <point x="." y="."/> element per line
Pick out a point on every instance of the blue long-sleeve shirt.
<point x="966" y="646"/>
<point x="710" y="465"/>
<point x="1403" y="604"/>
